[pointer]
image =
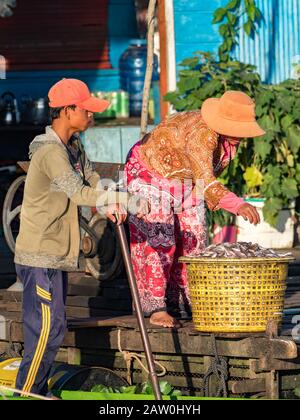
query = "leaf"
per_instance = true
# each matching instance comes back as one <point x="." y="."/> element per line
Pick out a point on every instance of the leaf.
<point x="190" y="62"/>
<point x="219" y="15"/>
<point x="232" y="18"/>
<point x="293" y="138"/>
<point x="271" y="209"/>
<point x="233" y="4"/>
<point x="248" y="27"/>
<point x="170" y="96"/>
<point x="270" y="186"/>
<point x="264" y="97"/>
<point x="274" y="171"/>
<point x="147" y="388"/>
<point x="298" y="173"/>
<point x="290" y="188"/>
<point x="258" y="15"/>
<point x="290" y="161"/>
<point x="266" y="123"/>
<point x="176" y="393"/>
<point x="210" y="88"/>
<point x="188" y="83"/>
<point x="191" y="73"/>
<point x="285" y="102"/>
<point x="261" y="147"/>
<point x="251" y="9"/>
<point x="128" y="389"/>
<point x="165" y="387"/>
<point x="297" y="392"/>
<point x="253" y="177"/>
<point x="224" y="29"/>
<point x="286" y="122"/>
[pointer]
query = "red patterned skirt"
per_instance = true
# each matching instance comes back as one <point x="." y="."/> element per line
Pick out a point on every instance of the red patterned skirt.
<point x="174" y="227"/>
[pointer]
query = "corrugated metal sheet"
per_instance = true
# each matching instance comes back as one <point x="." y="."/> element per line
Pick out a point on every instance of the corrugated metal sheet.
<point x="276" y="45"/>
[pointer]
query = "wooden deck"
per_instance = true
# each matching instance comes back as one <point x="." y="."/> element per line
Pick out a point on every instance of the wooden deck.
<point x="101" y="328"/>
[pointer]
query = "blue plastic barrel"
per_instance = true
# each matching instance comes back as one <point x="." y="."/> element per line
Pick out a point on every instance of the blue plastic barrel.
<point x="133" y="63"/>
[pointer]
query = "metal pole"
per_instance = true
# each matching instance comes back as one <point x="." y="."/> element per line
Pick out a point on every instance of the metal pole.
<point x="140" y="317"/>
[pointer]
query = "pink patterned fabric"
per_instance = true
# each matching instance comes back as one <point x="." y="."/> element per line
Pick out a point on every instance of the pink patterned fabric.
<point x="160" y="238"/>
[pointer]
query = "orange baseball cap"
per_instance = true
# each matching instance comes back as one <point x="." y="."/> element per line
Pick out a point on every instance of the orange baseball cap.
<point x="75" y="92"/>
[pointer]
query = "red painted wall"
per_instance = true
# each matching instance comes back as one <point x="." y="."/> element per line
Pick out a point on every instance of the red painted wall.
<point x="56" y="34"/>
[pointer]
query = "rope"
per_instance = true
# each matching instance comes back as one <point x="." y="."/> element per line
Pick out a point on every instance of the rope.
<point x="23" y="393"/>
<point x="218" y="368"/>
<point x="130" y="356"/>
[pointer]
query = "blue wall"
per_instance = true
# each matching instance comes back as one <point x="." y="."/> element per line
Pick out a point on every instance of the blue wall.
<point x="273" y="49"/>
<point x="121" y="28"/>
<point x="193" y="28"/>
<point x="276" y="45"/>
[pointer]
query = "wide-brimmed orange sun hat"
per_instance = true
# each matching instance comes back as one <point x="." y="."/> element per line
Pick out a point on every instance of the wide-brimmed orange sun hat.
<point x="232" y="115"/>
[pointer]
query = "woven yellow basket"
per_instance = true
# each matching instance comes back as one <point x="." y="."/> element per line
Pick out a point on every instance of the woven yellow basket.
<point x="236" y="294"/>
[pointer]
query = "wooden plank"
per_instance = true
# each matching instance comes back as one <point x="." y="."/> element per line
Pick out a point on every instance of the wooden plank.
<point x="266" y="364"/>
<point x="175" y="342"/>
<point x="127" y="321"/>
<point x="119" y="363"/>
<point x="290" y="382"/>
<point x="12" y="306"/>
<point x="79" y="312"/>
<point x="7" y="296"/>
<point x="99" y="302"/>
<point x="248" y="386"/>
<point x="12" y="316"/>
<point x="74" y="290"/>
<point x="73" y="356"/>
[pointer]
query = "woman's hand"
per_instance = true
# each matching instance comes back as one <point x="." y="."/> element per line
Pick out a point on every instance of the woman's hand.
<point x="249" y="213"/>
<point x="116" y="213"/>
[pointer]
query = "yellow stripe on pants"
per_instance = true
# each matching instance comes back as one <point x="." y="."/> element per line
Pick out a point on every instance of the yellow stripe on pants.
<point x="40" y="350"/>
<point x="42" y="293"/>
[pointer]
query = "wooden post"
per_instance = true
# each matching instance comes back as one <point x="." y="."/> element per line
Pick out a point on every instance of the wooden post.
<point x="149" y="69"/>
<point x="272" y="385"/>
<point x="163" y="78"/>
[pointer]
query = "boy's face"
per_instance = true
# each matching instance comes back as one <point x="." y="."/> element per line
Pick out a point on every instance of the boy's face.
<point x="80" y="119"/>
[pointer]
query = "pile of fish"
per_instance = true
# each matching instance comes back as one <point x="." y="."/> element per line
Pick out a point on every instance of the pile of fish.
<point x="240" y="250"/>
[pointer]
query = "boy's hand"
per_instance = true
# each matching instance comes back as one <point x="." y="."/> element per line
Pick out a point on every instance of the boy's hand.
<point x="249" y="212"/>
<point x="116" y="213"/>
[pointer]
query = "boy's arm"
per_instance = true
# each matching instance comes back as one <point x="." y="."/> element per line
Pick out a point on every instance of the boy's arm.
<point x="55" y="164"/>
<point x="91" y="176"/>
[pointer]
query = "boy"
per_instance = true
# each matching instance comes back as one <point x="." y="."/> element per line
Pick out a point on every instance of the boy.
<point x="60" y="178"/>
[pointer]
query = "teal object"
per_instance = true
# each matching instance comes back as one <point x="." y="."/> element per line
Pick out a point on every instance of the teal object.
<point x="110" y="143"/>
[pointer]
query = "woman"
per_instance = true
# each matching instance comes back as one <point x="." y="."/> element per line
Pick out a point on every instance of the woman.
<point x="168" y="167"/>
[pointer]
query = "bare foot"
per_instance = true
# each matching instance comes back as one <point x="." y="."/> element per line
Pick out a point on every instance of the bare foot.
<point x="164" y="319"/>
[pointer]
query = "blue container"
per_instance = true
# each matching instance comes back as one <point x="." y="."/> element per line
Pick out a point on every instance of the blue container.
<point x="133" y="63"/>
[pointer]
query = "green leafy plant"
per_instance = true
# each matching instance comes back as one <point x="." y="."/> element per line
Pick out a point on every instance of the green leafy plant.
<point x="229" y="19"/>
<point x="266" y="166"/>
<point x="143" y="388"/>
<point x="297" y="392"/>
